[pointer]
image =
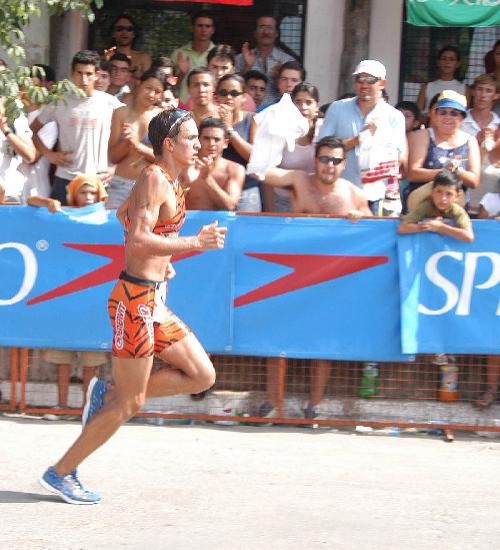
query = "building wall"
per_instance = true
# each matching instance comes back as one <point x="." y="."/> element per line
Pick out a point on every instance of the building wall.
<point x="324" y="41"/>
<point x="323" y="45"/>
<point x="37" y="40"/>
<point x="385" y="40"/>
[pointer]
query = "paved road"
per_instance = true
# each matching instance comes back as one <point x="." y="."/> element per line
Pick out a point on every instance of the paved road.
<point x="200" y="487"/>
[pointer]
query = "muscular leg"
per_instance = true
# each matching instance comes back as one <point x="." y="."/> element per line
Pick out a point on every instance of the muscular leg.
<point x="272" y="379"/>
<point x="63" y="378"/>
<point x="88" y="374"/>
<point x="320" y="371"/>
<point x="130" y="381"/>
<point x="192" y="370"/>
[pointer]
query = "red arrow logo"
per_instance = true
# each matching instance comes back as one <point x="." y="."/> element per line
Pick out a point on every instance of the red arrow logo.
<point x="101" y="275"/>
<point x="308" y="270"/>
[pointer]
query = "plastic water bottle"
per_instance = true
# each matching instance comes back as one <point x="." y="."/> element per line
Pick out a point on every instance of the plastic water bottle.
<point x="448" y="382"/>
<point x="368" y="386"/>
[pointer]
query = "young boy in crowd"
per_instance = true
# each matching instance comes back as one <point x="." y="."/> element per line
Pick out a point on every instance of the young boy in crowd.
<point x="82" y="191"/>
<point x="411" y="113"/>
<point x="439" y="213"/>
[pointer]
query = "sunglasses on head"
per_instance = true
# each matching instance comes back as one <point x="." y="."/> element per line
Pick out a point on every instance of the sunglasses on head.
<point x="128" y="28"/>
<point x="325" y="159"/>
<point x="232" y="93"/>
<point x="448" y="112"/>
<point x="367" y="79"/>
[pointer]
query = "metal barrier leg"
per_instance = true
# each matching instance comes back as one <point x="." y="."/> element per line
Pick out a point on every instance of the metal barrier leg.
<point x="14" y="376"/>
<point x="281" y="386"/>
<point x="24" y="363"/>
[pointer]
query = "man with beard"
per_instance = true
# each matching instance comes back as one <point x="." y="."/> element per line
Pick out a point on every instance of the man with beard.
<point x="125" y="32"/>
<point x="322" y="192"/>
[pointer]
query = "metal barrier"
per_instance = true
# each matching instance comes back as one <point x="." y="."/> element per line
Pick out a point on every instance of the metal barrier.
<point x="277" y="390"/>
<point x="9" y="376"/>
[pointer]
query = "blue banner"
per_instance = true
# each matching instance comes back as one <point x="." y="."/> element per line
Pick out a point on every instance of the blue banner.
<point x="450" y="292"/>
<point x="292" y="286"/>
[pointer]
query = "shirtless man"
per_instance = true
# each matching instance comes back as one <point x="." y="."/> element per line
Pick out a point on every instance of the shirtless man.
<point x="125" y="32"/>
<point x="129" y="146"/>
<point x="142" y="324"/>
<point x="323" y="192"/>
<point x="201" y="88"/>
<point x="214" y="183"/>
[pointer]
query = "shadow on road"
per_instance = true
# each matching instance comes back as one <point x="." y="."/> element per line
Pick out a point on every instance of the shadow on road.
<point x="7" y="497"/>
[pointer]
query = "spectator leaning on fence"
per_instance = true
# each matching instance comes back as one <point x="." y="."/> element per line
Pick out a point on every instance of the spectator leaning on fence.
<point x="440" y="213"/>
<point x="322" y="192"/>
<point x="84" y="125"/>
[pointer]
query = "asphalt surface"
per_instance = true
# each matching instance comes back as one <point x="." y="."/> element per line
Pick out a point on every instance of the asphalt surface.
<point x="212" y="487"/>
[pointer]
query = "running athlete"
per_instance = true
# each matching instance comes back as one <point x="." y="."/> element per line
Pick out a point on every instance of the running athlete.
<point x="143" y="326"/>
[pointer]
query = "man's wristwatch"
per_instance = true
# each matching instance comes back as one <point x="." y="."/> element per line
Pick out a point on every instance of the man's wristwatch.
<point x="6" y="131"/>
<point x="230" y="131"/>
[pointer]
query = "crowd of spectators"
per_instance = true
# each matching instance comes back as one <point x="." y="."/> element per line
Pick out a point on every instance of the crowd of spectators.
<point x="358" y="156"/>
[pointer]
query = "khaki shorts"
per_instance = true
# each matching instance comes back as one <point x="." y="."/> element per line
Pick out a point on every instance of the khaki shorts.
<point x="66" y="357"/>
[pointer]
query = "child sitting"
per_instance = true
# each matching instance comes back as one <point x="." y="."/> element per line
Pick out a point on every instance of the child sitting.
<point x="439" y="213"/>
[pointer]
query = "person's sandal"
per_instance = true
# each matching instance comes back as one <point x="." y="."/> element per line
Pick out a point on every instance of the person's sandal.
<point x="487" y="398"/>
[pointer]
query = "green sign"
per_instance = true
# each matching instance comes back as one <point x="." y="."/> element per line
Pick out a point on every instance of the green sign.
<point x="453" y="13"/>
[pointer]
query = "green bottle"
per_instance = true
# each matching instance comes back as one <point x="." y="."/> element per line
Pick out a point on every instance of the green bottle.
<point x="368" y="386"/>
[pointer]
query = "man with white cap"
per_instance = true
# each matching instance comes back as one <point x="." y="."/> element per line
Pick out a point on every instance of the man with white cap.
<point x="373" y="133"/>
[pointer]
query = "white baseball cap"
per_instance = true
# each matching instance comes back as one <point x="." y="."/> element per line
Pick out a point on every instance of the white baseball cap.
<point x="371" y="67"/>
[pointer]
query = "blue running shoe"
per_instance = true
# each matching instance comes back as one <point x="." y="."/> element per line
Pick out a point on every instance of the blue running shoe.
<point x="74" y="475"/>
<point x="95" y="399"/>
<point x="68" y="487"/>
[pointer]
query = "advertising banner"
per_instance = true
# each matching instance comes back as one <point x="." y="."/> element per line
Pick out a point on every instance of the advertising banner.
<point x="453" y="13"/>
<point x="305" y="287"/>
<point x="450" y="292"/>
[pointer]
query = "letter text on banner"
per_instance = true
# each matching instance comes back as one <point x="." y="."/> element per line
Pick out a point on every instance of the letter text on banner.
<point x="450" y="292"/>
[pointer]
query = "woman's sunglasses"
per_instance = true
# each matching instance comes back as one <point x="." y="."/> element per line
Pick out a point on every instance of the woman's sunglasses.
<point x="232" y="93"/>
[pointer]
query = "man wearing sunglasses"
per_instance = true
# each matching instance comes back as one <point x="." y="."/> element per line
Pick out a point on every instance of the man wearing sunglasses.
<point x="369" y="119"/>
<point x="124" y="32"/>
<point x="324" y="191"/>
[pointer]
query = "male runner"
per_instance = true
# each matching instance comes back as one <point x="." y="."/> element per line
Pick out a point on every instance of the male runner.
<point x="143" y="325"/>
